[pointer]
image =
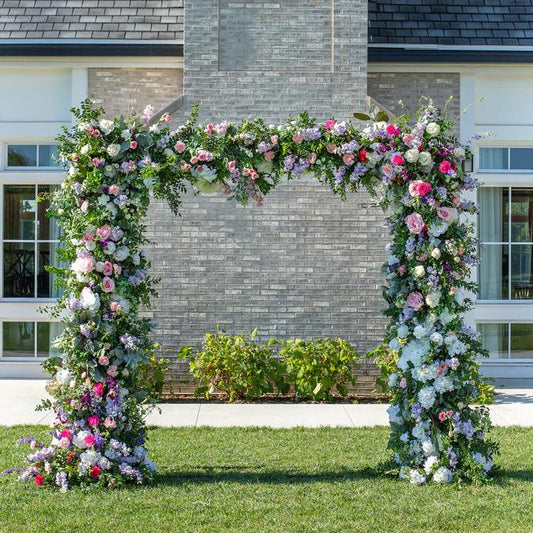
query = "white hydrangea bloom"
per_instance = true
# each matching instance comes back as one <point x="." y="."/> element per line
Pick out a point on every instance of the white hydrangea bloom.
<point x="430" y="463"/>
<point x="428" y="448"/>
<point x="443" y="384"/>
<point x="415" y="477"/>
<point x="443" y="475"/>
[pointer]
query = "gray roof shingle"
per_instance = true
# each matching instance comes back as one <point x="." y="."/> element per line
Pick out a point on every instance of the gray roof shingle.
<point x="451" y="22"/>
<point x="92" y="19"/>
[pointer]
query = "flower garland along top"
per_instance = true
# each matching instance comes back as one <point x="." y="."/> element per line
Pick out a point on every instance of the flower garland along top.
<point x="113" y="165"/>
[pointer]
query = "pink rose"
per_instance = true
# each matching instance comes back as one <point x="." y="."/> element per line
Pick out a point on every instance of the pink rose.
<point x="64" y="442"/>
<point x="194" y="160"/>
<point x="415" y="223"/>
<point x="108" y="268"/>
<point x="89" y="440"/>
<point x="407" y="138"/>
<point x="274" y="140"/>
<point x="66" y="434"/>
<point x="88" y="237"/>
<point x="448" y="214"/>
<point x="397" y="160"/>
<point x="402" y="269"/>
<point x="311" y="159"/>
<point x="98" y="389"/>
<point x="108" y="284"/>
<point x="445" y="167"/>
<point x="415" y="300"/>
<point x="93" y="421"/>
<point x="179" y="147"/>
<point x="329" y="124"/>
<point x="331" y="148"/>
<point x="83" y="264"/>
<point x="403" y="383"/>
<point x="103" y="360"/>
<point x="184" y="167"/>
<point x="419" y="188"/>
<point x="114" y="307"/>
<point x="114" y="190"/>
<point x="269" y="156"/>
<point x="297" y="138"/>
<point x="84" y="206"/>
<point x="117" y="269"/>
<point x="456" y="201"/>
<point x="393" y="130"/>
<point x="104" y="232"/>
<point x="348" y="159"/>
<point x="387" y="169"/>
<point x="112" y="371"/>
<point x="133" y="145"/>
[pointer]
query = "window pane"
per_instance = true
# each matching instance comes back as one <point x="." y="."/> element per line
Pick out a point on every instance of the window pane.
<point x="19" y="339"/>
<point x="48" y="230"/>
<point x="48" y="155"/>
<point x="522" y="158"/>
<point x="495" y="338"/>
<point x="492" y="214"/>
<point x="19" y="270"/>
<point x="22" y="155"/>
<point x="493" y="158"/>
<point x="47" y="255"/>
<point x="522" y="215"/>
<point x="522" y="272"/>
<point x="46" y="333"/>
<point x="493" y="278"/>
<point x="19" y="212"/>
<point x="521" y="341"/>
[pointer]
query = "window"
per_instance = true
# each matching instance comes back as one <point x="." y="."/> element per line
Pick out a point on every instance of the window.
<point x="506" y="232"/>
<point x="506" y="159"/>
<point x="30" y="242"/>
<point x="507" y="340"/>
<point x="32" y="155"/>
<point x="29" y="339"/>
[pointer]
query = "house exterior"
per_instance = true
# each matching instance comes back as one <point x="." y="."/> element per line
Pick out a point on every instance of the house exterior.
<point x="305" y="264"/>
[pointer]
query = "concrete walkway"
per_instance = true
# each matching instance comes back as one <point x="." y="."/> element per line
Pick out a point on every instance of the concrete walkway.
<point x="18" y="399"/>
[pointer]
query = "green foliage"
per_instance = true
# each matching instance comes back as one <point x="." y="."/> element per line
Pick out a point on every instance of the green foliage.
<point x="235" y="364"/>
<point x="152" y="376"/>
<point x="317" y="367"/>
<point x="385" y="359"/>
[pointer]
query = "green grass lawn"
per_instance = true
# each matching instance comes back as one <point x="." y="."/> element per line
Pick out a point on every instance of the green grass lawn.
<point x="254" y="480"/>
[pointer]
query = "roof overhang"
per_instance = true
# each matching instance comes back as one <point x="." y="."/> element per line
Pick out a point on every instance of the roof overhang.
<point x="402" y="53"/>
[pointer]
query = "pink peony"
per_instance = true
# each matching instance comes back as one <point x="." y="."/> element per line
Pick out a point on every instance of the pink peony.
<point x="419" y="188"/>
<point x="104" y="232"/>
<point x="448" y="214"/>
<point x="109" y="423"/>
<point x="397" y="160"/>
<point x="415" y="223"/>
<point x="108" y="285"/>
<point x="88" y="237"/>
<point x="274" y="140"/>
<point x="66" y="434"/>
<point x="104" y="360"/>
<point x="179" y="147"/>
<point x="415" y="300"/>
<point x="89" y="440"/>
<point x="393" y="130"/>
<point x="269" y="156"/>
<point x="329" y="124"/>
<point x="348" y="159"/>
<point x="445" y="167"/>
<point x="114" y="307"/>
<point x="311" y="159"/>
<point x="114" y="190"/>
<point x="83" y="264"/>
<point x="93" y="421"/>
<point x="133" y="145"/>
<point x="98" y="389"/>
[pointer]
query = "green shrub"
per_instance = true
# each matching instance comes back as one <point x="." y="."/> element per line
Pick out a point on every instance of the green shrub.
<point x="316" y="367"/>
<point x="152" y="376"/>
<point x="385" y="359"/>
<point x="237" y="365"/>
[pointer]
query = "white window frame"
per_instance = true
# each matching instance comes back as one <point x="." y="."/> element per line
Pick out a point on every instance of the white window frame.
<point x="37" y="168"/>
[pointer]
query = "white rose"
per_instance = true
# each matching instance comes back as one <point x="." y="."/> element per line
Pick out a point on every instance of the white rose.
<point x="89" y="300"/>
<point x="412" y="155"/>
<point x="459" y="152"/>
<point x="109" y="248"/>
<point x="433" y="129"/>
<point x="436" y="338"/>
<point x="419" y="331"/>
<point x="63" y="376"/>
<point x="91" y="245"/>
<point x="113" y="150"/>
<point x="424" y="158"/>
<point x="99" y="267"/>
<point x="106" y="125"/>
<point x="72" y="171"/>
<point x="83" y="126"/>
<point x="419" y="271"/>
<point x="122" y="253"/>
<point x="433" y="299"/>
<point x="85" y="149"/>
<point x="435" y="253"/>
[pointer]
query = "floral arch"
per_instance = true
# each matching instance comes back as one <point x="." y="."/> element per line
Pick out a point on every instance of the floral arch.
<point x="113" y="169"/>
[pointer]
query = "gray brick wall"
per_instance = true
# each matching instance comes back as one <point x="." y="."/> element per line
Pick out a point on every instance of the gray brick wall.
<point x="324" y="72"/>
<point x="389" y="88"/>
<point x="123" y="90"/>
